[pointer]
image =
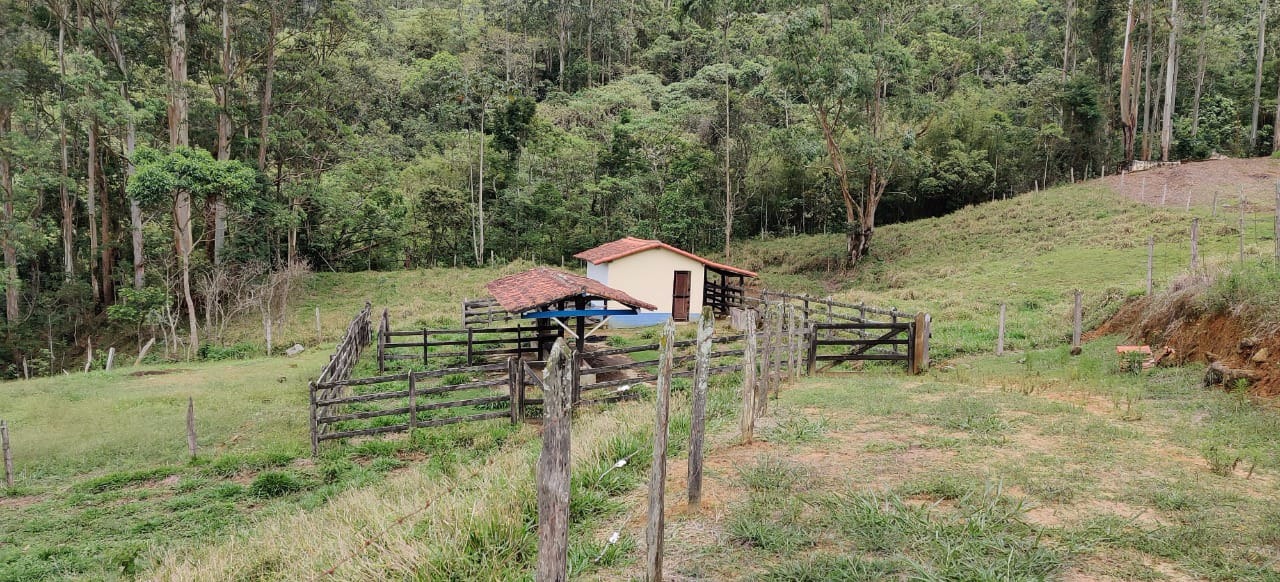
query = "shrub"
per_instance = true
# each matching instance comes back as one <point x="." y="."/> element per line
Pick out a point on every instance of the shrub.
<point x="275" y="484"/>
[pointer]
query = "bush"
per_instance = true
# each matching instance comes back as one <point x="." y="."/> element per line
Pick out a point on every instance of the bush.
<point x="275" y="484"/>
<point x="212" y="353"/>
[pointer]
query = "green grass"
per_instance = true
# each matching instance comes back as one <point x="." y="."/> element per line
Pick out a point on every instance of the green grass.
<point x="1030" y="252"/>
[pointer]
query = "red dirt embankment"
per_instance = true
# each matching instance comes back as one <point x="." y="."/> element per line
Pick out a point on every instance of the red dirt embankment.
<point x="1201" y="338"/>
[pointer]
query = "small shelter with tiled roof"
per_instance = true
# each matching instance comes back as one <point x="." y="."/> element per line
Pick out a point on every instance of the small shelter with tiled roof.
<point x="678" y="282"/>
<point x="550" y="295"/>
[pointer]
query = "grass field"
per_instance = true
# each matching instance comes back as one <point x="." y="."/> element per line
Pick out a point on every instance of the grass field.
<point x="1032" y="466"/>
<point x="1042" y="466"/>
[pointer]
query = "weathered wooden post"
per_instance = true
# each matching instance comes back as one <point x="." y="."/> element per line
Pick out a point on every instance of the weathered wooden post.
<point x="658" y="471"/>
<point x="26" y="368"/>
<point x="318" y="336"/>
<point x="312" y="415"/>
<point x="1164" y="196"/>
<point x="111" y="357"/>
<point x="413" y="403"/>
<point x="764" y="381"/>
<point x="748" y="421"/>
<point x="698" y="414"/>
<point x="915" y="347"/>
<point x="191" y="426"/>
<point x="143" y="352"/>
<point x="1277" y="235"/>
<point x="553" y="469"/>
<point x="1151" y="263"/>
<point x="1215" y="204"/>
<point x="792" y="344"/>
<point x="513" y="376"/>
<point x="1143" y="195"/>
<point x="1076" y="323"/>
<point x="88" y="356"/>
<point x="1195" y="243"/>
<point x="1000" y="333"/>
<point x="811" y="355"/>
<point x="8" y="455"/>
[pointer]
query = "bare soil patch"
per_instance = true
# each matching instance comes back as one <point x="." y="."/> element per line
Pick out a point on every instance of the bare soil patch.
<point x="1200" y="181"/>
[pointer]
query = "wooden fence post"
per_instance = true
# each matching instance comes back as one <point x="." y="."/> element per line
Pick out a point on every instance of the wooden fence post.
<point x="1076" y="323"/>
<point x="1164" y="196"/>
<point x="553" y="469"/>
<point x="8" y="455"/>
<point x="26" y="368"/>
<point x="111" y="357"/>
<point x="1195" y="242"/>
<point x="1151" y="263"/>
<point x="1277" y="235"/>
<point x="748" y="420"/>
<point x="1000" y="333"/>
<point x="698" y="414"/>
<point x="318" y="335"/>
<point x="471" y="334"/>
<point x="764" y="382"/>
<point x="315" y="428"/>
<point x="792" y="344"/>
<point x="658" y="471"/>
<point x="1215" y="204"/>
<point x="88" y="358"/>
<point x="513" y="364"/>
<point x="919" y="353"/>
<point x="143" y="353"/>
<point x="191" y="426"/>
<point x="413" y="404"/>
<point x="811" y="356"/>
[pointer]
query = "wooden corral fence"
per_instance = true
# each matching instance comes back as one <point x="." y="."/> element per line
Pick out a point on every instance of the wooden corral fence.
<point x="846" y="332"/>
<point x="412" y="400"/>
<point x="484" y="312"/>
<point x="328" y="385"/>
<point x="349" y="407"/>
<point x="469" y="346"/>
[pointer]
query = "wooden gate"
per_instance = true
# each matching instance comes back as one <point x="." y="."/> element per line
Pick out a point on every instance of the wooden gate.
<point x="868" y="341"/>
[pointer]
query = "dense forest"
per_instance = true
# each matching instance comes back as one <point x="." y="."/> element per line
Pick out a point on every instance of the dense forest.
<point x="169" y="164"/>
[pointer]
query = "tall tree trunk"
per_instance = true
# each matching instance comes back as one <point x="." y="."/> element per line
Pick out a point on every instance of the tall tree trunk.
<point x="65" y="198"/>
<point x="1201" y="61"/>
<point x="1170" y="83"/>
<point x="1067" y="41"/>
<point x="112" y="42"/>
<point x="1257" y="75"/>
<point x="562" y="20"/>
<point x="178" y="137"/>
<point x="10" y="246"/>
<point x="728" y="187"/>
<point x="91" y="192"/>
<point x="480" y="192"/>
<point x="1128" y="117"/>
<point x="268" y="80"/>
<point x="1147" y="101"/>
<point x="221" y="94"/>
<point x="107" y="263"/>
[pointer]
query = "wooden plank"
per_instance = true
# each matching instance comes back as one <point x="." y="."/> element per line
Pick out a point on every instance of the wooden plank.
<point x="311" y="417"/>
<point x="553" y="470"/>
<point x="1076" y="317"/>
<point x="865" y="342"/>
<point x="698" y="412"/>
<point x="862" y="358"/>
<point x="654" y="532"/>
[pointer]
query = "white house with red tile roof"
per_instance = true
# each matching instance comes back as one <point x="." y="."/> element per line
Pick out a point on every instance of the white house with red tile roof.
<point x="672" y="279"/>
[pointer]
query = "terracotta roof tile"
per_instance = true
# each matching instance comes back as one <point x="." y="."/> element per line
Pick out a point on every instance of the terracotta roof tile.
<point x="612" y="251"/>
<point x="539" y="287"/>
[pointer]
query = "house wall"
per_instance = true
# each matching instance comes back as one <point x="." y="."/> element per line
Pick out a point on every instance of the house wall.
<point x="650" y="276"/>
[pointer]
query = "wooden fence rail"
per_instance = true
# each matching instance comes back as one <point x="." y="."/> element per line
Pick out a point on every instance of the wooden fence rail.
<point x="473" y="344"/>
<point x="327" y="386"/>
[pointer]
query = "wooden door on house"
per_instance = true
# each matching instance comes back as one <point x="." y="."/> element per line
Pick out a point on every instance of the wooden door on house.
<point x="680" y="296"/>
